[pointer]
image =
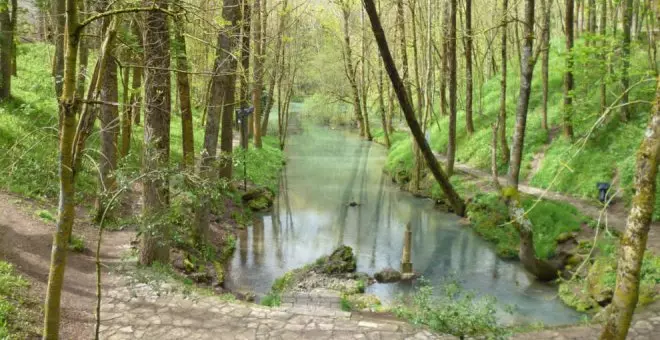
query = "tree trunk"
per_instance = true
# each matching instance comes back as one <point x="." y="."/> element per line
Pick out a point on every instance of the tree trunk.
<point x="220" y="107"/>
<point x="603" y="33"/>
<point x="451" y="146"/>
<point x="493" y="159"/>
<point x="126" y="119"/>
<point x="522" y="108"/>
<point x="403" y="45"/>
<point x="568" y="76"/>
<point x="625" y="56"/>
<point x="183" y="87"/>
<point x="154" y="244"/>
<point x="546" y="7"/>
<point x="66" y="209"/>
<point x="6" y="48"/>
<point x="444" y="63"/>
<point x="633" y="241"/>
<point x="469" y="125"/>
<point x="58" y="13"/>
<point x="381" y="102"/>
<point x="83" y="56"/>
<point x="109" y="124"/>
<point x="502" y="116"/>
<point x="350" y="69"/>
<point x="258" y="72"/>
<point x="364" y="82"/>
<point x="454" y="199"/>
<point x="138" y="74"/>
<point x="245" y="52"/>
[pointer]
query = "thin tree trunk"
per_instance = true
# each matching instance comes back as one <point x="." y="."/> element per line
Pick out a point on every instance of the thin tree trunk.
<point x="625" y="56"/>
<point x="603" y="33"/>
<point x="66" y="209"/>
<point x="246" y="21"/>
<point x="381" y="102"/>
<point x="350" y="69"/>
<point x="7" y="26"/>
<point x="126" y="119"/>
<point x="522" y="108"/>
<point x="154" y="245"/>
<point x="469" y="125"/>
<point x="445" y="60"/>
<point x="568" y="76"/>
<point x="633" y="241"/>
<point x="546" y="7"/>
<point x="451" y="146"/>
<point x="403" y="45"/>
<point x="493" y="159"/>
<point x="363" y="77"/>
<point x="258" y="72"/>
<point x="502" y="116"/>
<point x="109" y="124"/>
<point x="138" y="74"/>
<point x="454" y="199"/>
<point x="83" y="56"/>
<point x="183" y="88"/>
<point x="58" y="13"/>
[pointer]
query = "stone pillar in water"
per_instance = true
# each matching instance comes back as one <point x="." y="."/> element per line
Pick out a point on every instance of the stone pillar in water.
<point x="406" y="264"/>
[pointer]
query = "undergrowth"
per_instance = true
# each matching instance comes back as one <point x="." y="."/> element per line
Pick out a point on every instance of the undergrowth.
<point x="16" y="319"/>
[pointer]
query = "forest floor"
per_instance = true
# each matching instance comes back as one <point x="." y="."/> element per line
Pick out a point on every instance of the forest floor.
<point x="613" y="217"/>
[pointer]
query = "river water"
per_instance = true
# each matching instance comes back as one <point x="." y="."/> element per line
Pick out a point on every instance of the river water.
<point x="325" y="171"/>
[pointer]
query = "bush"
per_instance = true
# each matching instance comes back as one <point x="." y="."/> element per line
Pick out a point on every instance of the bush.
<point x="456" y="312"/>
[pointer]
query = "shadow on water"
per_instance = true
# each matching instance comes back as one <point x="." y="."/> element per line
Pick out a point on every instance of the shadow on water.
<point x="325" y="171"/>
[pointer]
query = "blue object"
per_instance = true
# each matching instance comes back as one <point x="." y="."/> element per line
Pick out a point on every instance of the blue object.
<point x="603" y="188"/>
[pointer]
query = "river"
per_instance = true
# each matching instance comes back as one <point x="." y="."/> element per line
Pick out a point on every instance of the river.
<point x="326" y="169"/>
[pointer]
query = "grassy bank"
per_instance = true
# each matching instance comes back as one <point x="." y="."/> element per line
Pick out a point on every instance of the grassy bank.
<point x="572" y="167"/>
<point x="16" y="319"/>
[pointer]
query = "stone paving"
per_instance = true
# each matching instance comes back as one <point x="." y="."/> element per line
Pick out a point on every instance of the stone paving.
<point x="139" y="312"/>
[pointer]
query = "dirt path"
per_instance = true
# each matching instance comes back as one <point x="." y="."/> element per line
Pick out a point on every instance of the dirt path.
<point x="25" y="241"/>
<point x="615" y="216"/>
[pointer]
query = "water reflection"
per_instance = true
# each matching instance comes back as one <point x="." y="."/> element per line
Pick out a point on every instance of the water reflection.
<point x="327" y="170"/>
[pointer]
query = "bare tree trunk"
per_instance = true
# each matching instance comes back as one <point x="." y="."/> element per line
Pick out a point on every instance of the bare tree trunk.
<point x="603" y="33"/>
<point x="109" y="122"/>
<point x="403" y="45"/>
<point x="363" y="77"/>
<point x="183" y="88"/>
<point x="546" y="7"/>
<point x="126" y="119"/>
<point x="58" y="13"/>
<point x="451" y="146"/>
<point x="625" y="56"/>
<point x="66" y="209"/>
<point x="444" y="62"/>
<point x="469" y="125"/>
<point x="220" y="102"/>
<point x="350" y="69"/>
<point x="568" y="76"/>
<point x="633" y="240"/>
<point x="7" y="24"/>
<point x="83" y="56"/>
<point x="154" y="245"/>
<point x="246" y="20"/>
<point x="381" y="102"/>
<point x="522" y="108"/>
<point x="502" y="116"/>
<point x="258" y="71"/>
<point x="452" y="196"/>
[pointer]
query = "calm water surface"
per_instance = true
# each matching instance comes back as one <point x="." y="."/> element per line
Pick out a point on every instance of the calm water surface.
<point x="326" y="170"/>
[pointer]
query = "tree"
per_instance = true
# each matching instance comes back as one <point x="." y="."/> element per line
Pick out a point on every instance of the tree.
<point x="526" y="74"/>
<point x="625" y="56"/>
<point x="183" y="87"/>
<point x="220" y="107"/>
<point x="454" y="199"/>
<point x="546" y="8"/>
<point x="451" y="57"/>
<point x="154" y="245"/>
<point x="246" y="21"/>
<point x="568" y="75"/>
<point x="469" y="125"/>
<point x="502" y="116"/>
<point x="603" y="33"/>
<point x="7" y="30"/>
<point x="633" y="240"/>
<point x="258" y="70"/>
<point x="349" y="68"/>
<point x="58" y="8"/>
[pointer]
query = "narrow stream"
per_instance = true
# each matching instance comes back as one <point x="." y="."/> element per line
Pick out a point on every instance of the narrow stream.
<point x="328" y="169"/>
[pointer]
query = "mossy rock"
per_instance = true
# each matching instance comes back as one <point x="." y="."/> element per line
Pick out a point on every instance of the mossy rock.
<point x="363" y="301"/>
<point x="599" y="289"/>
<point x="259" y="204"/>
<point x="388" y="275"/>
<point x="566" y="236"/>
<point x="573" y="294"/>
<point x="340" y="261"/>
<point x="258" y="199"/>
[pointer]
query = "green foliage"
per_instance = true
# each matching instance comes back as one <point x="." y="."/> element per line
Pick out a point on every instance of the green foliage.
<point x="45" y="215"/>
<point x="490" y="219"/>
<point x="14" y="319"/>
<point x="326" y="111"/>
<point x="271" y="300"/>
<point x="455" y="311"/>
<point x="263" y="165"/>
<point x="345" y="304"/>
<point x="77" y="243"/>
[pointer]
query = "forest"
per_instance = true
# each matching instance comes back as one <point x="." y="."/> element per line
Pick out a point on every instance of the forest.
<point x="394" y="169"/>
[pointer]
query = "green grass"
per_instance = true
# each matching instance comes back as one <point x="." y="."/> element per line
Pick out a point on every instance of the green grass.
<point x="608" y="153"/>
<point x="15" y="319"/>
<point x="263" y="165"/>
<point x="489" y="215"/>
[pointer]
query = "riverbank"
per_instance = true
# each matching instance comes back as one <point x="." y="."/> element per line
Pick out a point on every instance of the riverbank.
<point x="584" y="235"/>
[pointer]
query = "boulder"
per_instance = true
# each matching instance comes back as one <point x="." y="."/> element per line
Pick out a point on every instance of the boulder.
<point x="340" y="261"/>
<point x="258" y="199"/>
<point x="388" y="275"/>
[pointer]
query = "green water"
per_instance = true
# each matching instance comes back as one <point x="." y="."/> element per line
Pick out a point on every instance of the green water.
<point x="325" y="171"/>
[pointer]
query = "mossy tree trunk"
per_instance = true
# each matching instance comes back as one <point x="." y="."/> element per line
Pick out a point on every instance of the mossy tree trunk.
<point x="154" y="245"/>
<point x="633" y="241"/>
<point x="183" y="89"/>
<point x="7" y="26"/>
<point x="397" y="84"/>
<point x="66" y="211"/>
<point x="527" y="71"/>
